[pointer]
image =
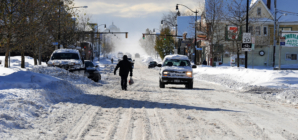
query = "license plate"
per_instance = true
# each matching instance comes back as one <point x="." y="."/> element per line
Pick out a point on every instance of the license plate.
<point x="176" y="81"/>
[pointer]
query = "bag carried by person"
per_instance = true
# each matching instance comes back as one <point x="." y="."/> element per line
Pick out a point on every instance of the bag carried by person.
<point x="130" y="81"/>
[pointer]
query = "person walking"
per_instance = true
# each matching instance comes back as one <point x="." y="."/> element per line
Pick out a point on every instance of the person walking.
<point x="112" y="60"/>
<point x="125" y="68"/>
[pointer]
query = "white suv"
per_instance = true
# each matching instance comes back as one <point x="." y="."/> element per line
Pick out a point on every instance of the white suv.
<point x="68" y="59"/>
<point x="176" y="69"/>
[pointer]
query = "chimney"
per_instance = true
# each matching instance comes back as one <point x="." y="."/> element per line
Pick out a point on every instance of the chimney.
<point x="269" y="4"/>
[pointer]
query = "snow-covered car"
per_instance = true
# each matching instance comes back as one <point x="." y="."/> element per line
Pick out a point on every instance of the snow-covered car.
<point x="69" y="59"/>
<point x="91" y="71"/>
<point x="131" y="61"/>
<point x="176" y="69"/>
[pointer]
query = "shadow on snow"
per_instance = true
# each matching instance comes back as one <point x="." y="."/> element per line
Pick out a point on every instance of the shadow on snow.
<point x="110" y="102"/>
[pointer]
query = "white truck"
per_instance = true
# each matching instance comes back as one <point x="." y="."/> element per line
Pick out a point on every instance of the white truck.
<point x="176" y="69"/>
<point x="69" y="59"/>
<point x="120" y="56"/>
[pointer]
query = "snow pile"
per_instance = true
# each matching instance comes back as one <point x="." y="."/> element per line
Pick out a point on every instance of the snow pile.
<point x="147" y="59"/>
<point x="76" y="77"/>
<point x="272" y="84"/>
<point x="26" y="95"/>
<point x="31" y="93"/>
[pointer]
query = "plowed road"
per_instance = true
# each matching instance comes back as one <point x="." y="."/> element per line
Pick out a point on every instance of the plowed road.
<point x="209" y="111"/>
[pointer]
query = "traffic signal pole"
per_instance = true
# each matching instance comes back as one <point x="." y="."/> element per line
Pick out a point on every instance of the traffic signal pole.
<point x="246" y="30"/>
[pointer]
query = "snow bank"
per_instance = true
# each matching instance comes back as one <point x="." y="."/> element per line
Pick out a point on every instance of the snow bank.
<point x="27" y="94"/>
<point x="272" y="83"/>
<point x="147" y="59"/>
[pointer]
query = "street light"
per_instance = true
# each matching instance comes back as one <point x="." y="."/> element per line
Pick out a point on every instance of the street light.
<point x="196" y="12"/>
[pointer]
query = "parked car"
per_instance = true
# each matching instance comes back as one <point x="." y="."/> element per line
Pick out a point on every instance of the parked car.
<point x="69" y="59"/>
<point x="152" y="64"/>
<point x="137" y="55"/>
<point x="91" y="71"/>
<point x="131" y="61"/>
<point x="176" y="69"/>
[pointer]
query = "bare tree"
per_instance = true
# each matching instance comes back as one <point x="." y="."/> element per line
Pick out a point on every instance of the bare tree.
<point x="148" y="42"/>
<point x="214" y="15"/>
<point x="236" y="16"/>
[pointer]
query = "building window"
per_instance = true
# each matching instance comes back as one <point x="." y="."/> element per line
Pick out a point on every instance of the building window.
<point x="259" y="11"/>
<point x="291" y="56"/>
<point x="265" y="31"/>
<point x="285" y="29"/>
<point x="250" y="29"/>
<point x="258" y="30"/>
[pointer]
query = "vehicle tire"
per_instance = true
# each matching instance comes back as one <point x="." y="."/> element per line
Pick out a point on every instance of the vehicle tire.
<point x="190" y="85"/>
<point x="161" y="85"/>
<point x="99" y="77"/>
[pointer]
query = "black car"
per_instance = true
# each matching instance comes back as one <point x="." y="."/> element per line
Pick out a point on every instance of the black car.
<point x="152" y="64"/>
<point x="91" y="71"/>
<point x="131" y="61"/>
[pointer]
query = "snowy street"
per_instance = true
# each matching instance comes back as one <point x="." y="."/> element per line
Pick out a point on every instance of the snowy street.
<point x="144" y="111"/>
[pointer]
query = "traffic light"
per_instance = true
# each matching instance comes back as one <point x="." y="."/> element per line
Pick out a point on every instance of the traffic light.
<point x="143" y="36"/>
<point x="165" y="37"/>
<point x="184" y="36"/>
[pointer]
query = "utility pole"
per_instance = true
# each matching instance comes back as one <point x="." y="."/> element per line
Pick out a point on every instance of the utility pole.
<point x="246" y="30"/>
<point x="59" y="26"/>
<point x="274" y="40"/>
<point x="195" y="61"/>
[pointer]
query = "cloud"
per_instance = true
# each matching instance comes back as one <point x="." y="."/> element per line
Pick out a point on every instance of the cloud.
<point x="132" y="8"/>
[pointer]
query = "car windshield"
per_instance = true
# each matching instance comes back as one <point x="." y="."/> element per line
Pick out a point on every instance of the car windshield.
<point x="59" y="56"/>
<point x="176" y="62"/>
<point x="129" y="59"/>
<point x="152" y="62"/>
<point x="89" y="64"/>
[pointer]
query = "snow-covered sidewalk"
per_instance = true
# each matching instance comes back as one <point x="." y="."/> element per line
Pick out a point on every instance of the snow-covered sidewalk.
<point x="271" y="84"/>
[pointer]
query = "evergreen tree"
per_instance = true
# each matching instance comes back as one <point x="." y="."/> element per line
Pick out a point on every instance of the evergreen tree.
<point x="164" y="45"/>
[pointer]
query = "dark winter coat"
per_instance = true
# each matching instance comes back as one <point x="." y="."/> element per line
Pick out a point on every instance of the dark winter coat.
<point x="125" y="67"/>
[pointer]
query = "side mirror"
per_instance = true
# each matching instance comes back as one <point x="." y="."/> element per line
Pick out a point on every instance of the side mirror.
<point x="133" y="60"/>
<point x="96" y="66"/>
<point x="194" y="66"/>
<point x="158" y="65"/>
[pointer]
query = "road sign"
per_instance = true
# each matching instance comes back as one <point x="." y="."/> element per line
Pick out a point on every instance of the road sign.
<point x="55" y="43"/>
<point x="282" y="41"/>
<point x="246" y="38"/>
<point x="199" y="49"/>
<point x="246" y="46"/>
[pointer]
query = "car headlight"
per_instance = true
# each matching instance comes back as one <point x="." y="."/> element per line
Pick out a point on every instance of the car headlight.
<point x="165" y="73"/>
<point x="189" y="73"/>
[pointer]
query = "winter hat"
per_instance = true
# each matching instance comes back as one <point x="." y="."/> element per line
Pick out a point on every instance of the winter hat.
<point x="124" y="57"/>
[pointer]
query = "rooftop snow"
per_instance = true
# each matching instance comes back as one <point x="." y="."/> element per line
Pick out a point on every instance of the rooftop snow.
<point x="288" y="5"/>
<point x="66" y="51"/>
<point x="176" y="56"/>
